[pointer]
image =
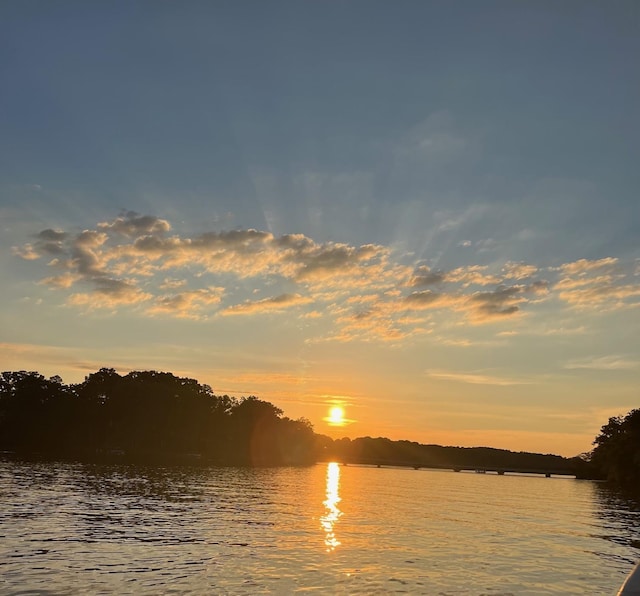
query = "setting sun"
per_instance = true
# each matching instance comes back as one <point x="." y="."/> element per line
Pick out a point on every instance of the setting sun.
<point x="336" y="416"/>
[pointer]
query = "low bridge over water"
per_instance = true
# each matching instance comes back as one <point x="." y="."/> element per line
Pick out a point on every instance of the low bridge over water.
<point x="480" y="469"/>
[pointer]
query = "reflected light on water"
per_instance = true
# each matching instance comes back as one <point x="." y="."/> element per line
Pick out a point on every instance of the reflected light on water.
<point x="332" y="513"/>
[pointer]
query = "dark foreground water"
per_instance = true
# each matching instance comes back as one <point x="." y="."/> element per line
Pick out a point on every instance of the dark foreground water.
<point x="73" y="528"/>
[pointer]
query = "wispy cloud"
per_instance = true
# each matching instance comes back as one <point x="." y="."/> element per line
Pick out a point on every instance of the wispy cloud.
<point x="274" y="303"/>
<point x="612" y="362"/>
<point x="474" y="378"/>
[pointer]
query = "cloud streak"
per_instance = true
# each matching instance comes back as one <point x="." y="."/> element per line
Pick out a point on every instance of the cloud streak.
<point x="612" y="362"/>
<point x="474" y="378"/>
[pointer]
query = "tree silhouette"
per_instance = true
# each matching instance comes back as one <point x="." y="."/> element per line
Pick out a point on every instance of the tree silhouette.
<point x="156" y="416"/>
<point x="31" y="408"/>
<point x="145" y="415"/>
<point x="617" y="449"/>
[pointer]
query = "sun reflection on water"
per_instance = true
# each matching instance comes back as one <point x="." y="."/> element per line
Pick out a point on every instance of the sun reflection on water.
<point x="332" y="513"/>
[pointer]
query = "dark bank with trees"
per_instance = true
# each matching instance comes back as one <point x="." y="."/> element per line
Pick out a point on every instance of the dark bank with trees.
<point x="157" y="417"/>
<point x="145" y="416"/>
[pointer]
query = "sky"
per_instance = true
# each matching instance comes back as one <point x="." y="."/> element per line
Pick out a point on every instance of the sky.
<point x="424" y="212"/>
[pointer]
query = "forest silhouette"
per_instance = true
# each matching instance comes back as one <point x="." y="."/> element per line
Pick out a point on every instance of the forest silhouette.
<point x="157" y="417"/>
<point x="145" y="416"/>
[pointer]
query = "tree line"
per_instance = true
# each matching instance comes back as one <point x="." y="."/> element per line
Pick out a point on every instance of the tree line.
<point x="368" y="450"/>
<point x="159" y="417"/>
<point x="148" y="416"/>
<point x="616" y="455"/>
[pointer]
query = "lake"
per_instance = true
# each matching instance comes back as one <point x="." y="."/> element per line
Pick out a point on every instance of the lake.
<point x="70" y="527"/>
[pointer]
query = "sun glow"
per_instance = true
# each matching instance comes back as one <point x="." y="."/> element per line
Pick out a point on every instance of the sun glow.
<point x="336" y="416"/>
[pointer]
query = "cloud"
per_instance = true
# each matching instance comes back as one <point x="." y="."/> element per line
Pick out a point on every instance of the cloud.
<point x="187" y="305"/>
<point x="428" y="299"/>
<point x="470" y="275"/>
<point x="275" y="303"/>
<point x="498" y="303"/>
<point x="474" y="378"/>
<point x="602" y="284"/>
<point x="585" y="266"/>
<point x="367" y="292"/>
<point x="505" y="300"/>
<point x="47" y="241"/>
<point x="50" y="235"/>
<point x="50" y="242"/>
<point x="172" y="284"/>
<point x="518" y="270"/>
<point x="342" y="260"/>
<point x="569" y="283"/>
<point x="109" y="293"/>
<point x="28" y="252"/>
<point x="548" y="331"/>
<point x="612" y="362"/>
<point x="423" y="276"/>
<point x="95" y="300"/>
<point x="602" y="296"/>
<point x="133" y="225"/>
<point x="66" y="280"/>
<point x="479" y="307"/>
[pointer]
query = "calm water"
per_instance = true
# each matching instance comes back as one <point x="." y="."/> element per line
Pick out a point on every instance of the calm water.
<point x="72" y="528"/>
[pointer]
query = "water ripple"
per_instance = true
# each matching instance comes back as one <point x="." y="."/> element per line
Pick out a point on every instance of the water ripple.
<point x="69" y="528"/>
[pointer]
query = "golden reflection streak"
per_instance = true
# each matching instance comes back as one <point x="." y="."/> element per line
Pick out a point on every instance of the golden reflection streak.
<point x="332" y="513"/>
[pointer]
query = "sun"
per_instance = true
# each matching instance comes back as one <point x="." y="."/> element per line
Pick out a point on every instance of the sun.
<point x="336" y="416"/>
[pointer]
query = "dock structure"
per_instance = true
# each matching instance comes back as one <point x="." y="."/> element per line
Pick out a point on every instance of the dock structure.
<point x="499" y="470"/>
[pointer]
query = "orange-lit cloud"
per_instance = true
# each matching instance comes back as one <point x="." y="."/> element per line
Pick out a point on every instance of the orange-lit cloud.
<point x="274" y="303"/>
<point x="365" y="292"/>
<point x="472" y="275"/>
<point x="518" y="270"/>
<point x="585" y="266"/>
<point x="188" y="304"/>
<point x="600" y="284"/>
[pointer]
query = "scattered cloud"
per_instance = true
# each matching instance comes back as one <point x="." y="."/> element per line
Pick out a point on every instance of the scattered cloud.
<point x="65" y="280"/>
<point x="28" y="252"/>
<point x="518" y="270"/>
<point x="132" y="224"/>
<point x="583" y="266"/>
<point x="603" y="297"/>
<point x="472" y="275"/>
<point x="601" y="284"/>
<point x="172" y="284"/>
<point x="424" y="276"/>
<point x="366" y="292"/>
<point x="186" y="305"/>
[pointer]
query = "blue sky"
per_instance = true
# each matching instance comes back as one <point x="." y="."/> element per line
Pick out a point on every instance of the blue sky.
<point x="424" y="211"/>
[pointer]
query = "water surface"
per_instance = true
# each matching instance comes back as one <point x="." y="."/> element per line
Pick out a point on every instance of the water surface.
<point x="69" y="528"/>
